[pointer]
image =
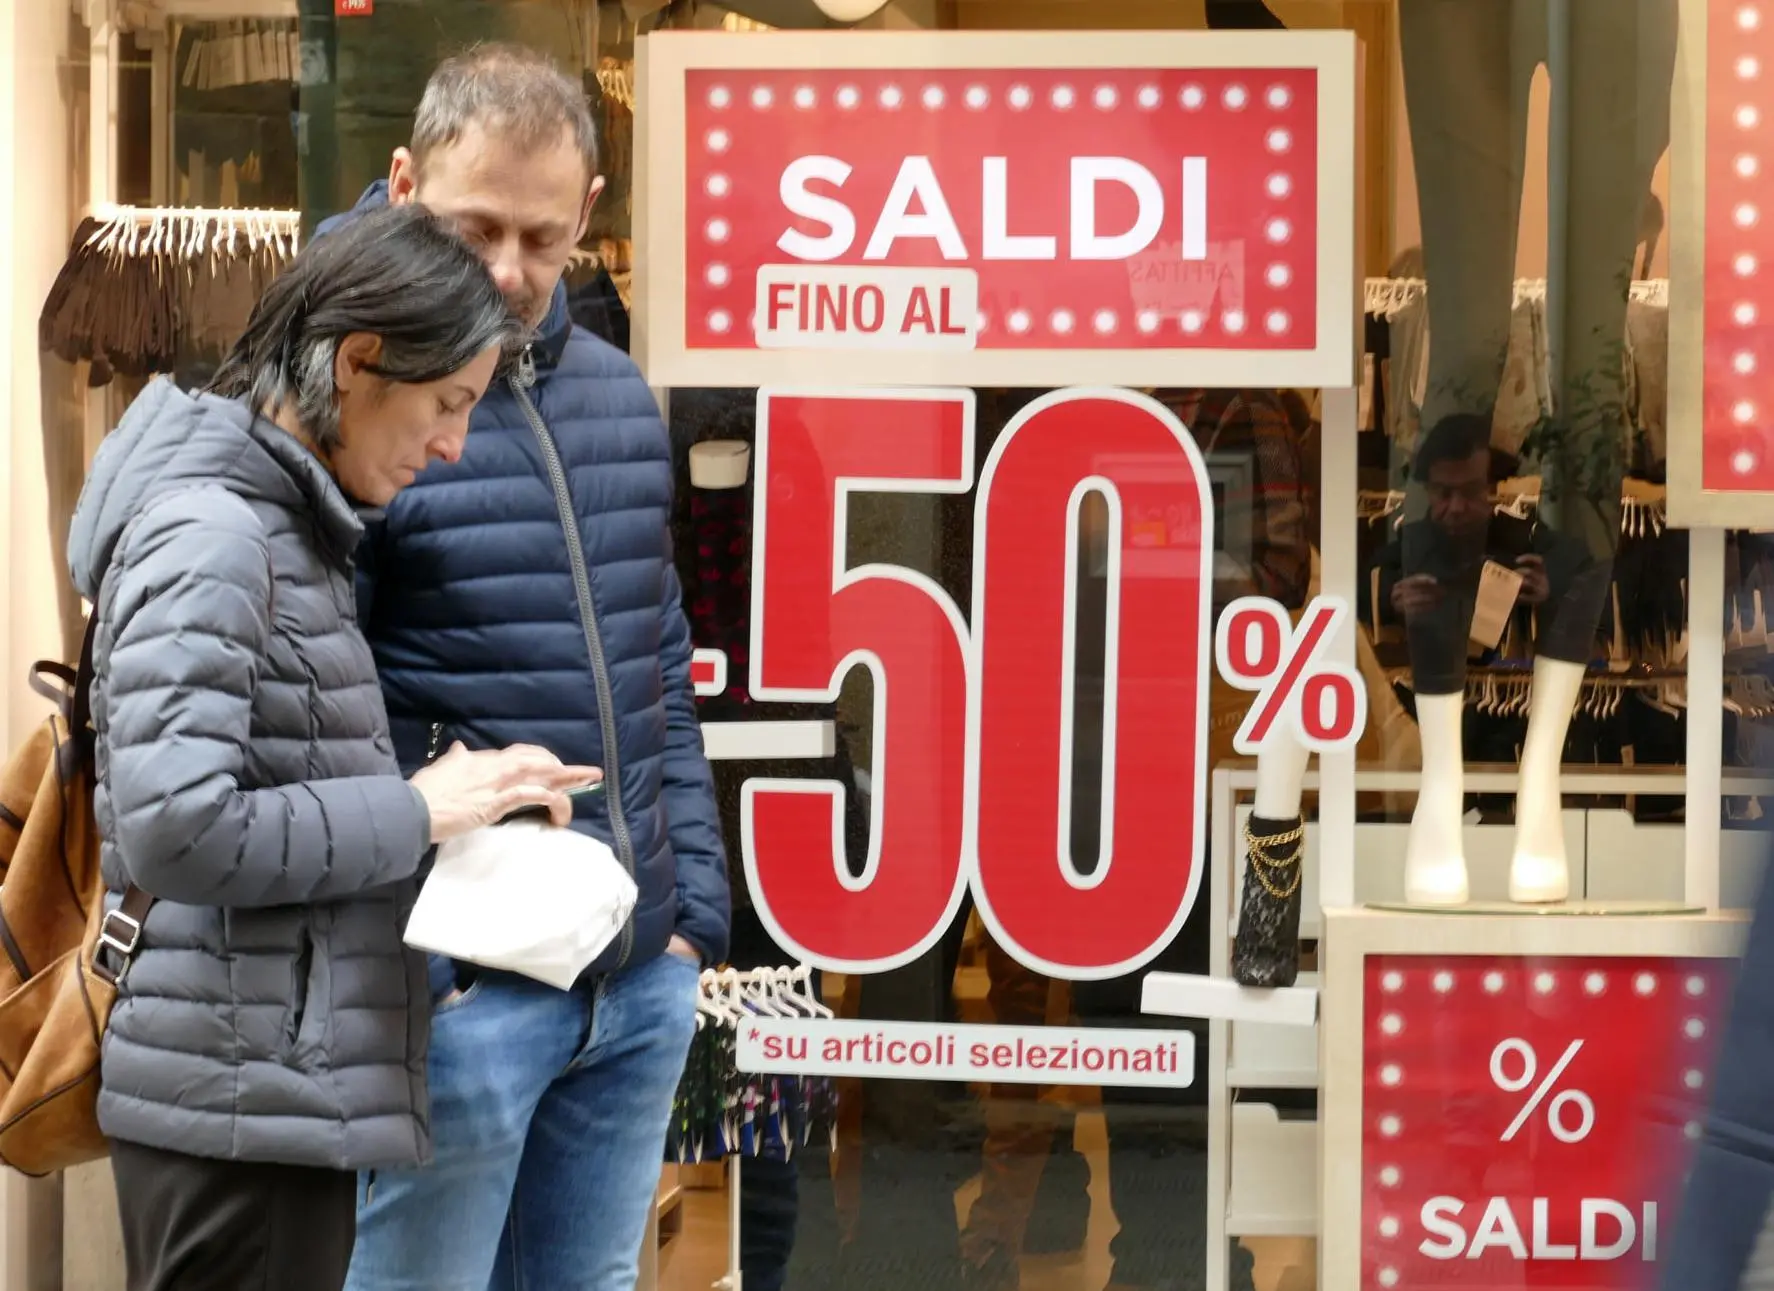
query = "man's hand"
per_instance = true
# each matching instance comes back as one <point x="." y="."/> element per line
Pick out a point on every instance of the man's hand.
<point x="683" y="950"/>
<point x="1417" y="594"/>
<point x="1535" y="585"/>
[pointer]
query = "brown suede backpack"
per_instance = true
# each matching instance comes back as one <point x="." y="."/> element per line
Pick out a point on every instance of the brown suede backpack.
<point x="60" y="953"/>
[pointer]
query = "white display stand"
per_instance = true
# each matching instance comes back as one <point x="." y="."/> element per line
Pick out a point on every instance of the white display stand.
<point x="1293" y="1039"/>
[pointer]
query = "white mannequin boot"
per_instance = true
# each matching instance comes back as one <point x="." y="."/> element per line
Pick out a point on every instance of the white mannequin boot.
<point x="1281" y="778"/>
<point x="1435" y="858"/>
<point x="1538" y="871"/>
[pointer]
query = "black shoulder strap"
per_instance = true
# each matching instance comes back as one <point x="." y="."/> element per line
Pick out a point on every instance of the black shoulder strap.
<point x="81" y="718"/>
<point x="79" y="711"/>
<point x="121" y="931"/>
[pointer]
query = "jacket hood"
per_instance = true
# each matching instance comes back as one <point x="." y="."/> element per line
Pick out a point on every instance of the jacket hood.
<point x="169" y="441"/>
<point x="550" y="340"/>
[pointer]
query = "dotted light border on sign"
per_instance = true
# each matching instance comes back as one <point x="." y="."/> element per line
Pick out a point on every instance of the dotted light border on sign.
<point x="1738" y="49"/>
<point x="1107" y="96"/>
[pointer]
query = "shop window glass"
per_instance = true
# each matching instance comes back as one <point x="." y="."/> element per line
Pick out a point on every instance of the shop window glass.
<point x="1516" y="574"/>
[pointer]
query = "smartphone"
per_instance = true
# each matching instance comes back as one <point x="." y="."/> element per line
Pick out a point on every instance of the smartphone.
<point x="539" y="812"/>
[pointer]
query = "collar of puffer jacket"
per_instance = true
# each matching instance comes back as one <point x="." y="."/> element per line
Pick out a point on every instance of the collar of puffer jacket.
<point x="170" y="440"/>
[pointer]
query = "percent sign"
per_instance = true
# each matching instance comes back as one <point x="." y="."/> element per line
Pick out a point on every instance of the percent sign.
<point x="1299" y="692"/>
<point x="1530" y="1064"/>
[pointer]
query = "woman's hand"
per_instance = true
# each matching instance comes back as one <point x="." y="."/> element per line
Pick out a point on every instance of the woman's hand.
<point x="466" y="790"/>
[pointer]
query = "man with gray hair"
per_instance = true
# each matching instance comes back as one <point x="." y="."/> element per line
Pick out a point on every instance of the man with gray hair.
<point x="526" y="595"/>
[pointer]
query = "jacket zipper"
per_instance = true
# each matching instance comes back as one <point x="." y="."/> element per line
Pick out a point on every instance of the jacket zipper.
<point x="521" y="381"/>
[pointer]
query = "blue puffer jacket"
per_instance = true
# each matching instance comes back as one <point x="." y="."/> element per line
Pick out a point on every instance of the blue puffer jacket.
<point x="526" y="594"/>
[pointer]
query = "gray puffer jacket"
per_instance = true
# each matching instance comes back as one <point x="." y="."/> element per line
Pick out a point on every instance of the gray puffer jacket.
<point x="246" y="778"/>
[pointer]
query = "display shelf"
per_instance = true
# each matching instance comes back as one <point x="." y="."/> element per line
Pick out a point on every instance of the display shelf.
<point x="1189" y="995"/>
<point x="1274" y="1187"/>
<point x="668" y="1206"/>
<point x="1263" y="1055"/>
<point x="765" y="741"/>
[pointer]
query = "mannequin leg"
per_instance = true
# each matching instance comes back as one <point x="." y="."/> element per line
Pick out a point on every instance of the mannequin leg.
<point x="1623" y="58"/>
<point x="1622" y="62"/>
<point x="1467" y="68"/>
<point x="1538" y="871"/>
<point x="1435" y="860"/>
<point x="1281" y="773"/>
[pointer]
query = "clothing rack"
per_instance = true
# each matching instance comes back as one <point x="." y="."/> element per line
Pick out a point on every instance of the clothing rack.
<point x="615" y="77"/>
<point x="725" y="997"/>
<point x="1385" y="297"/>
<point x="1642" y="513"/>
<point x="1507" y="690"/>
<point x="152" y="290"/>
<point x="193" y="231"/>
<point x="1398" y="339"/>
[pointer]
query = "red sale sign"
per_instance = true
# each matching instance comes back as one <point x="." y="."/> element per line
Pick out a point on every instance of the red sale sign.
<point x="1022" y="209"/>
<point x="973" y="754"/>
<point x="1525" y="1121"/>
<point x="1738" y="435"/>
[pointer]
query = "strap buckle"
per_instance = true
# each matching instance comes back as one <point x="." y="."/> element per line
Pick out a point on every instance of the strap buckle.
<point x="124" y="942"/>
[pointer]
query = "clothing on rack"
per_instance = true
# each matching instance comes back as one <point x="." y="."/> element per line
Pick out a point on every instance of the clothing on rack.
<point x="223" y="55"/>
<point x="615" y="101"/>
<point x="113" y="310"/>
<point x="1377" y="355"/>
<point x="234" y="132"/>
<point x="1398" y="339"/>
<point x="721" y="1111"/>
<point x="141" y="290"/>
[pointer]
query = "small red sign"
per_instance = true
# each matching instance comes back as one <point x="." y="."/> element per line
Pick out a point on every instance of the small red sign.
<point x="708" y="671"/>
<point x="1525" y="1121"/>
<point x="353" y="8"/>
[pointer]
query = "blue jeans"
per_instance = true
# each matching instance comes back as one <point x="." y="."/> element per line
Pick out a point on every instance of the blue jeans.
<point x="548" y="1116"/>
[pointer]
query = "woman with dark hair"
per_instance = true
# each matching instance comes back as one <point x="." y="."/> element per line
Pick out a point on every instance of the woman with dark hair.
<point x="270" y="1030"/>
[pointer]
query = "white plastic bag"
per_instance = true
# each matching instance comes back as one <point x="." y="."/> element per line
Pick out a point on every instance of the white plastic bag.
<point x="525" y="897"/>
